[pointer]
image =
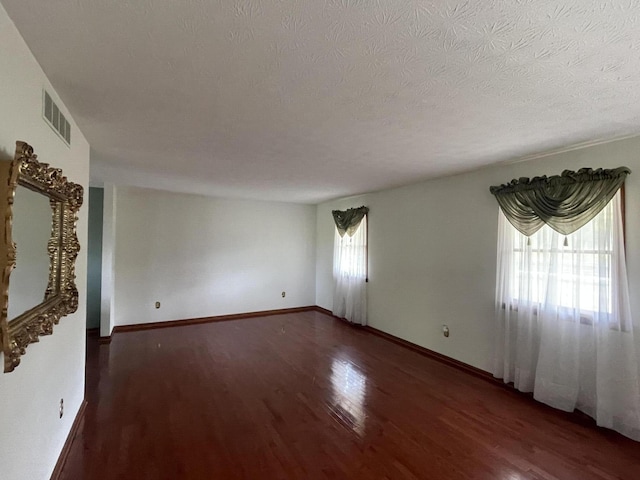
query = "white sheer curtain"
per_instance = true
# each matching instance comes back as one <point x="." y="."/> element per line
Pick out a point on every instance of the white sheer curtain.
<point x="564" y="326"/>
<point x="350" y="275"/>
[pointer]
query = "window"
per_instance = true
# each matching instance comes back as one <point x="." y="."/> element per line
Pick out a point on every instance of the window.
<point x="350" y="273"/>
<point x="352" y="251"/>
<point x="564" y="328"/>
<point x="572" y="273"/>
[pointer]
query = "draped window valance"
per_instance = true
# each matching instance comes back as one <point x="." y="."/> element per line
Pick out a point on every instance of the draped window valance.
<point x="564" y="202"/>
<point x="348" y="221"/>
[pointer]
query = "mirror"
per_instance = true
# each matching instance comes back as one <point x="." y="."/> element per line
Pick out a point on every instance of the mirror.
<point x="31" y="230"/>
<point x="38" y="248"/>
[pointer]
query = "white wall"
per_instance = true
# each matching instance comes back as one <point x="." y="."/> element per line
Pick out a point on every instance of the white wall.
<point x="31" y="434"/>
<point x="201" y="256"/>
<point x="432" y="250"/>
<point x="107" y="284"/>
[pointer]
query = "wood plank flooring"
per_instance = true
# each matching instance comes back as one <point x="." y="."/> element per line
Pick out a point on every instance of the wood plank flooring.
<point x="304" y="396"/>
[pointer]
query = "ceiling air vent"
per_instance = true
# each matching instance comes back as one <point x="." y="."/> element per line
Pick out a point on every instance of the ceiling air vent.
<point x="56" y="119"/>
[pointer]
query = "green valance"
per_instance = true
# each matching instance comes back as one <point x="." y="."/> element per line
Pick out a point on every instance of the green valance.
<point x="348" y="221"/>
<point x="564" y="202"/>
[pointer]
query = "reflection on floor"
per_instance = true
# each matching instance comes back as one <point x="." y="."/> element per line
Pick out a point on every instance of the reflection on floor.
<point x="349" y="391"/>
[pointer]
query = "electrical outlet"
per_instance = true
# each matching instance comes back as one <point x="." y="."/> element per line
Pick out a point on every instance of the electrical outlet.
<point x="61" y="407"/>
<point x="284" y="294"/>
<point x="445" y="330"/>
<point x="157" y="304"/>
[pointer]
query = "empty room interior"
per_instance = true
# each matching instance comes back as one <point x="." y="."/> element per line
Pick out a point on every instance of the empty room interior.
<point x="334" y="239"/>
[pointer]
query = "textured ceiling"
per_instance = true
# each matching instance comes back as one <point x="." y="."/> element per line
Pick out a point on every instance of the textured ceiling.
<point x="314" y="99"/>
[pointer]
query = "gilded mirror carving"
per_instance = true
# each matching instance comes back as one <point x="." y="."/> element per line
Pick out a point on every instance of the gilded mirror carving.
<point x="60" y="296"/>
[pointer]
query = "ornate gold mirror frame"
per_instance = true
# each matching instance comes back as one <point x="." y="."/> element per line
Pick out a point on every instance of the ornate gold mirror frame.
<point x="61" y="294"/>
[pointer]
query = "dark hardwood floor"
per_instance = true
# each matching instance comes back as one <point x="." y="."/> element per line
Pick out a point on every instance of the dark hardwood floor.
<point x="304" y="396"/>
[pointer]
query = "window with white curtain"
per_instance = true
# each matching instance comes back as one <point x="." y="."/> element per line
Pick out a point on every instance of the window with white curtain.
<point x="569" y="272"/>
<point x="352" y="251"/>
<point x="564" y="329"/>
<point x="350" y="273"/>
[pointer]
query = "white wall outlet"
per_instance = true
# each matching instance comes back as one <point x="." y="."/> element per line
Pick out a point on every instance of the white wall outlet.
<point x="284" y="294"/>
<point x="445" y="330"/>
<point x="61" y="407"/>
<point x="157" y="304"/>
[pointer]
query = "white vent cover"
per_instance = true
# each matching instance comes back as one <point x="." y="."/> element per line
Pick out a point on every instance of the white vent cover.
<point x="56" y="119"/>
